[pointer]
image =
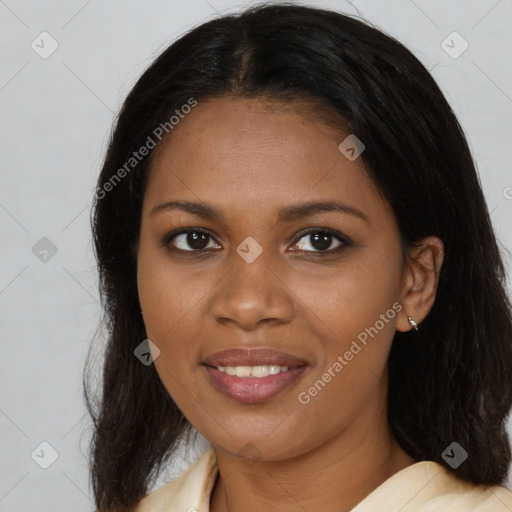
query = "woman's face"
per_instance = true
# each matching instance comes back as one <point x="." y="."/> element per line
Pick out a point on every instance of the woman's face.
<point x="331" y="301"/>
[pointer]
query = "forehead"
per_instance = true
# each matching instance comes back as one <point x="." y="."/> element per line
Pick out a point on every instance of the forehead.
<point x="266" y="153"/>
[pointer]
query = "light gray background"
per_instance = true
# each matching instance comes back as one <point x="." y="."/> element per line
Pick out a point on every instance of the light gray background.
<point x="56" y="115"/>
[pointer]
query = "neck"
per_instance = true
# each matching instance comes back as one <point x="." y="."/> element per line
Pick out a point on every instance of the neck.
<point x="335" y="476"/>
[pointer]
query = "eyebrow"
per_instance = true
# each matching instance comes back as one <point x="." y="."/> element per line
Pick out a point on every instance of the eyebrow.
<point x="285" y="213"/>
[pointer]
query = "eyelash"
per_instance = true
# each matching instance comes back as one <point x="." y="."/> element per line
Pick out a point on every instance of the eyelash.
<point x="345" y="241"/>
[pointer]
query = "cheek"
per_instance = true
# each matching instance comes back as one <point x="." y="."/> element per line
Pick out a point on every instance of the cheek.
<point x="174" y="311"/>
<point x="167" y="303"/>
<point x="356" y="331"/>
<point x="352" y="296"/>
<point x="354" y="309"/>
<point x="167" y="296"/>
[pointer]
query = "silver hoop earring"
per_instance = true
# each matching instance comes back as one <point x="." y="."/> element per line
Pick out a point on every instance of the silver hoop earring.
<point x="413" y="323"/>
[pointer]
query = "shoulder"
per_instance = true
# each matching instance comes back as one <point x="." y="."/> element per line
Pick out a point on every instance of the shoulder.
<point x="455" y="495"/>
<point x="422" y="487"/>
<point x="476" y="499"/>
<point x="429" y="487"/>
<point x="189" y="491"/>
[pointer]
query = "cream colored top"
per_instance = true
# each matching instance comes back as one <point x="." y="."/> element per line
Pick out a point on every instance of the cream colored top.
<point x="422" y="487"/>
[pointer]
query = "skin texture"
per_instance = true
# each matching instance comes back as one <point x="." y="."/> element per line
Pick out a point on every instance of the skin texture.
<point x="248" y="158"/>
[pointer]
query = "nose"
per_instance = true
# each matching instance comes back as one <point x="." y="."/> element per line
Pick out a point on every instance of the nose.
<point x="252" y="294"/>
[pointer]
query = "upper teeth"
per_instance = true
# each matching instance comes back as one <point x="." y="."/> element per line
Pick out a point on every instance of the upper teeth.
<point x="253" y="371"/>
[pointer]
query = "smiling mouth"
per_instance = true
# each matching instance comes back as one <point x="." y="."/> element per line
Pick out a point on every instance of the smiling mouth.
<point x="256" y="372"/>
<point x="253" y="375"/>
<point x="253" y="384"/>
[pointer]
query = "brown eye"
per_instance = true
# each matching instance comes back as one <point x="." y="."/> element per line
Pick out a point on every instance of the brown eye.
<point x="321" y="241"/>
<point x="194" y="239"/>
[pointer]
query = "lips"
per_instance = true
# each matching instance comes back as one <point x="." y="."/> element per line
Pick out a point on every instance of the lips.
<point x="253" y="357"/>
<point x="253" y="390"/>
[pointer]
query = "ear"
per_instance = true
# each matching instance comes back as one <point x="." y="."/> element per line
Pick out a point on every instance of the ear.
<point x="420" y="281"/>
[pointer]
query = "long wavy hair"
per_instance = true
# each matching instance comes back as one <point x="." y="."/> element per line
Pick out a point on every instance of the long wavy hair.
<point x="451" y="380"/>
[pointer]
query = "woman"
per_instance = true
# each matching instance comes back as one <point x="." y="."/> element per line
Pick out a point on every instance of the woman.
<point x="296" y="260"/>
